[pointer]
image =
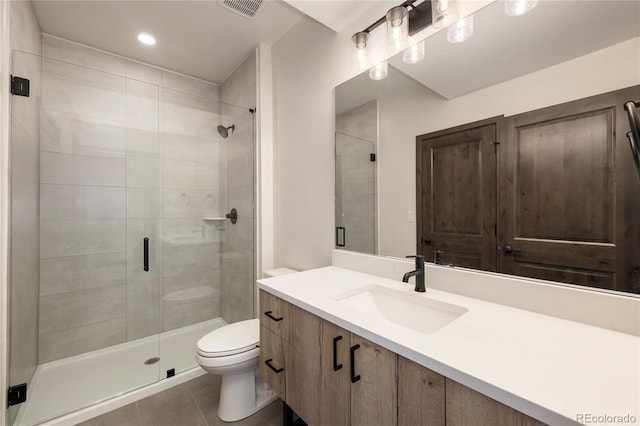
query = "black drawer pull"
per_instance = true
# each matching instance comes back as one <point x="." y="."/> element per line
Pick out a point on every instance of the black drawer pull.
<point x="336" y="366"/>
<point x="354" y="378"/>
<point x="268" y="363"/>
<point x="268" y="313"/>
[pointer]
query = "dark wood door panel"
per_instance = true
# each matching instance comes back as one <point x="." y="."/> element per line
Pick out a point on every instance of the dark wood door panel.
<point x="456" y="196"/>
<point x="564" y="183"/>
<point x="567" y="191"/>
<point x="585" y="277"/>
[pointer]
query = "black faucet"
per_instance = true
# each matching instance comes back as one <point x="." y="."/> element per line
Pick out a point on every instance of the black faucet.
<point x="418" y="273"/>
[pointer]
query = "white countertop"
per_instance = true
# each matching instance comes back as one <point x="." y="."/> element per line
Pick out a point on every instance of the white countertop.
<point x="546" y="367"/>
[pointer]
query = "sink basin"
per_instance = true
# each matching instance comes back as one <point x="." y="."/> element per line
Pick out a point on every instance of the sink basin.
<point x="412" y="311"/>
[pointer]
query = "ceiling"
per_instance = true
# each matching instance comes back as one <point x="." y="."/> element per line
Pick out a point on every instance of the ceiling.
<point x="198" y="38"/>
<point x="337" y="14"/>
<point x="503" y="47"/>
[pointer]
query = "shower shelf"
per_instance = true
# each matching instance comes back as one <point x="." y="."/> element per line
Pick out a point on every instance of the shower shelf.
<point x="214" y="218"/>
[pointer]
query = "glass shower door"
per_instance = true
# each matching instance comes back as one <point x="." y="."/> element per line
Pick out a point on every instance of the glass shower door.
<point x="356" y="218"/>
<point x="96" y="181"/>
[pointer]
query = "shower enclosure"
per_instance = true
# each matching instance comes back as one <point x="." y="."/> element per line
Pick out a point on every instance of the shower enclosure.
<point x="122" y="255"/>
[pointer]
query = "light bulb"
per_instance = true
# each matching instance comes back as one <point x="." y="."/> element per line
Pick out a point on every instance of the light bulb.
<point x="414" y="53"/>
<point x="461" y="30"/>
<point x="518" y="7"/>
<point x="379" y="71"/>
<point x="443" y="13"/>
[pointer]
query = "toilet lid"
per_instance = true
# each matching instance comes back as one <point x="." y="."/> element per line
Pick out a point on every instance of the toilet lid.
<point x="231" y="339"/>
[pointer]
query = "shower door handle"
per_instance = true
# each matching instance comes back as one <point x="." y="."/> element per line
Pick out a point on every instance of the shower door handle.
<point x="341" y="236"/>
<point x="145" y="243"/>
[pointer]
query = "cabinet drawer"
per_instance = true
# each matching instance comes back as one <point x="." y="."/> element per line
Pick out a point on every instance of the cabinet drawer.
<point x="275" y="314"/>
<point x="272" y="367"/>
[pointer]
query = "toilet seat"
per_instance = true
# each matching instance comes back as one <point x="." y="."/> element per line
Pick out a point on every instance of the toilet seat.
<point x="229" y="340"/>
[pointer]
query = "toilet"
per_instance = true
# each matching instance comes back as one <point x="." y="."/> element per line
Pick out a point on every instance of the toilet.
<point x="232" y="351"/>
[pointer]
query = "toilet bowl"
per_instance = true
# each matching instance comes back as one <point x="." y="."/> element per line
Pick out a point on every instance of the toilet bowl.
<point x="232" y="351"/>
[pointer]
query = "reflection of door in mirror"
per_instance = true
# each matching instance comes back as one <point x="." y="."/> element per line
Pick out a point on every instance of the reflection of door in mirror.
<point x="356" y="139"/>
<point x="566" y="187"/>
<point x="456" y="196"/>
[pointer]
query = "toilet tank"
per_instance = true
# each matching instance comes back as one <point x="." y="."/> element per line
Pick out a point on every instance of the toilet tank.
<point x="270" y="273"/>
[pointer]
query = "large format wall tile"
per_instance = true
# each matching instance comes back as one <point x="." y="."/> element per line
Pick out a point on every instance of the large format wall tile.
<point x="68" y="169"/>
<point x="83" y="272"/>
<point x="186" y="84"/>
<point x="72" y="134"/>
<point x="143" y="309"/>
<point x="142" y="72"/>
<point x="68" y="238"/>
<point x="63" y="50"/>
<point x="69" y="310"/>
<point x="85" y="338"/>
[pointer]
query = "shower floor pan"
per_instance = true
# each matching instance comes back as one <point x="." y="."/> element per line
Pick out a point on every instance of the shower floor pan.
<point x="73" y="383"/>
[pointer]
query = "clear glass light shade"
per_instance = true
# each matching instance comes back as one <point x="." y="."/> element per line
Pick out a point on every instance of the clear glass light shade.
<point x="518" y="7"/>
<point x="397" y="28"/>
<point x="443" y="13"/>
<point x="414" y="53"/>
<point x="379" y="71"/>
<point x="461" y="30"/>
<point x="360" y="57"/>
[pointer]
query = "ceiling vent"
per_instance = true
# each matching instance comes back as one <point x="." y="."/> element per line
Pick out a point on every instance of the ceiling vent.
<point x="246" y="8"/>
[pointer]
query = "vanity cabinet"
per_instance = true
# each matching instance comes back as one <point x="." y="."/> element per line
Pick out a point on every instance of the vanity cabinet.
<point x="332" y="377"/>
<point x="359" y="385"/>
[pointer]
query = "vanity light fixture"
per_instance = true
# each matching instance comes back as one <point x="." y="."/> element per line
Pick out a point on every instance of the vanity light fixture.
<point x="414" y="53"/>
<point x="518" y="7"/>
<point x="402" y="21"/>
<point x="444" y="13"/>
<point x="397" y="28"/>
<point x="461" y="30"/>
<point x="147" y="39"/>
<point x="379" y="71"/>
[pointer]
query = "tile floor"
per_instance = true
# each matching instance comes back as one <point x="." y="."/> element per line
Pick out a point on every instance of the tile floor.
<point x="194" y="403"/>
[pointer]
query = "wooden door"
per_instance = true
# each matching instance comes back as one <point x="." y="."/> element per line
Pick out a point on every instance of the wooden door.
<point x="456" y="194"/>
<point x="336" y="383"/>
<point x="568" y="207"/>
<point x="374" y="396"/>
<point x="302" y="363"/>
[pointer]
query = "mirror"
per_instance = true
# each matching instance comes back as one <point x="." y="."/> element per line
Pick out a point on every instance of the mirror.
<point x="559" y="52"/>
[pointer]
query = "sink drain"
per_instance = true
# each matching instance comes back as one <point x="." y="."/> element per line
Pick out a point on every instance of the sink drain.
<point x="152" y="360"/>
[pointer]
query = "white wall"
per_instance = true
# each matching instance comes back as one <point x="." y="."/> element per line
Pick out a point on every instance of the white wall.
<point x="417" y="111"/>
<point x="310" y="61"/>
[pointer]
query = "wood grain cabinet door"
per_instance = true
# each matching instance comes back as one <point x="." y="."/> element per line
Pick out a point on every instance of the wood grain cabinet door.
<point x="567" y="193"/>
<point x="336" y="383"/>
<point x="421" y="395"/>
<point x="456" y="196"/>
<point x="302" y="359"/>
<point x="466" y="407"/>
<point x="374" y="395"/>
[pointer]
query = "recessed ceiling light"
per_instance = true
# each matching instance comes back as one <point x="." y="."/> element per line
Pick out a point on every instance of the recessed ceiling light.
<point x="147" y="39"/>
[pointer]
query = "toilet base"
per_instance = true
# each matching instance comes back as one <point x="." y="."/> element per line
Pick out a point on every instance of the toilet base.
<point x="242" y="395"/>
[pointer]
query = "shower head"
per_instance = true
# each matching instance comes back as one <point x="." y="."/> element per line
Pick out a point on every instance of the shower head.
<point x="224" y="131"/>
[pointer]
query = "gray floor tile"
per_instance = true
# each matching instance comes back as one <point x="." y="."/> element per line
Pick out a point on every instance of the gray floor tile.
<point x="127" y="415"/>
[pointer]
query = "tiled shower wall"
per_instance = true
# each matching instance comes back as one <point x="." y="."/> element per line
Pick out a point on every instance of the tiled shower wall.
<point x="238" y="243"/>
<point x="127" y="151"/>
<point x="356" y="139"/>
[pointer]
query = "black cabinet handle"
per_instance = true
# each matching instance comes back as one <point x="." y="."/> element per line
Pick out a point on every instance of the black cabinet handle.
<point x="145" y="243"/>
<point x="336" y="366"/>
<point x="353" y="350"/>
<point x="268" y="313"/>
<point x="275" y="370"/>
